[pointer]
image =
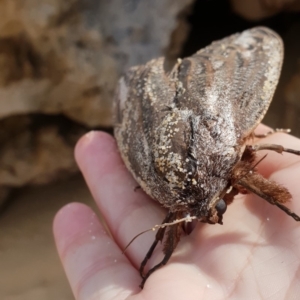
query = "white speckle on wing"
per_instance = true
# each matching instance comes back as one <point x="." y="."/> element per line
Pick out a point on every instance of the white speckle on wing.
<point x="123" y="91"/>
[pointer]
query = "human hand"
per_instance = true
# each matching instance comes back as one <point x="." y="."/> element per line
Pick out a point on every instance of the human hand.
<point x="254" y="255"/>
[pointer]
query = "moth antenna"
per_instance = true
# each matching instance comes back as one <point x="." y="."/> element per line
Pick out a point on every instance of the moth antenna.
<point x="288" y="211"/>
<point x="283" y="130"/>
<point x="246" y="173"/>
<point x="185" y="219"/>
<point x="174" y="68"/>
<point x="259" y="162"/>
<point x="151" y="229"/>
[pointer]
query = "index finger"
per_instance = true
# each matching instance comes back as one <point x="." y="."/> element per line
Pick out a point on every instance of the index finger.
<point x="126" y="211"/>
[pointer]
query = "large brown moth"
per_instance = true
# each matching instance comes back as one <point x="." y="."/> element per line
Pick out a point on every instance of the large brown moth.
<point x="183" y="133"/>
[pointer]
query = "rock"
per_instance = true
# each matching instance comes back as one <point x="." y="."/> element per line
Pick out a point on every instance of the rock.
<point x="4" y="193"/>
<point x="292" y="108"/>
<point x="255" y="10"/>
<point x="64" y="57"/>
<point x="34" y="153"/>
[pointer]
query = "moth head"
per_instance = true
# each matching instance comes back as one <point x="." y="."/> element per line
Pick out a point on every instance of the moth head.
<point x="220" y="208"/>
<point x="215" y="213"/>
<point x="218" y="205"/>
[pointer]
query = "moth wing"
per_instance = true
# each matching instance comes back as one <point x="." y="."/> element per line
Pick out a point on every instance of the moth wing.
<point x="234" y="78"/>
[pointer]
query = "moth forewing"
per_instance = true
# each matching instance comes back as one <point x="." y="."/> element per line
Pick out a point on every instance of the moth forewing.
<point x="183" y="134"/>
<point x="245" y="67"/>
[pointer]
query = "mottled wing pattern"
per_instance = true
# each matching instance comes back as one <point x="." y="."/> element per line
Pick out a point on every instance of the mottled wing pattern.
<point x="234" y="78"/>
<point x="142" y="100"/>
<point x="180" y="131"/>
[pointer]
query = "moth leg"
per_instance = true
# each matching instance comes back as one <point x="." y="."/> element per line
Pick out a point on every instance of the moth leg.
<point x="269" y="191"/>
<point x="284" y="130"/>
<point x="158" y="237"/>
<point x="272" y="147"/>
<point x="172" y="240"/>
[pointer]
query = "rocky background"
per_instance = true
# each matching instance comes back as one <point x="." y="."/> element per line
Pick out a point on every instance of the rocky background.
<point x="59" y="63"/>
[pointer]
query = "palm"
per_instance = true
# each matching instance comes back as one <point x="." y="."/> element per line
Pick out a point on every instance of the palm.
<point x="254" y="255"/>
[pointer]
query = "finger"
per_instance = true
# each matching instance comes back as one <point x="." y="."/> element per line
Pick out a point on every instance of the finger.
<point x="127" y="212"/>
<point x="275" y="161"/>
<point x="91" y="259"/>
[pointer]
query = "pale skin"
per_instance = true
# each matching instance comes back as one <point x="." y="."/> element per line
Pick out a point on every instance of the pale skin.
<point x="254" y="255"/>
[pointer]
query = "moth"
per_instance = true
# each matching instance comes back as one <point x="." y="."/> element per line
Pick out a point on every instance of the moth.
<point x="183" y="132"/>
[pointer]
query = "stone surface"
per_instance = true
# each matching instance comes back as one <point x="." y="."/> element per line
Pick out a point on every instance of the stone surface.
<point x="259" y="9"/>
<point x="286" y="106"/>
<point x="34" y="152"/>
<point x="293" y="90"/>
<point x="292" y="108"/>
<point x="64" y="57"/>
<point x="4" y="193"/>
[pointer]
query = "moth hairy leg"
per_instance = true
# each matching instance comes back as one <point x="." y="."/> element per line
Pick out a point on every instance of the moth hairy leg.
<point x="268" y="190"/>
<point x="158" y="237"/>
<point x="272" y="147"/>
<point x="173" y="237"/>
<point x="284" y="130"/>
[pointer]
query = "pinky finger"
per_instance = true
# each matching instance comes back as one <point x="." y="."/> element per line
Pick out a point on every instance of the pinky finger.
<point x="94" y="264"/>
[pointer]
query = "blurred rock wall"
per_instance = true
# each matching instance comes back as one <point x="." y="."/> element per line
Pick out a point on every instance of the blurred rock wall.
<point x="63" y="58"/>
